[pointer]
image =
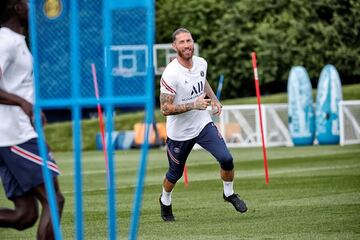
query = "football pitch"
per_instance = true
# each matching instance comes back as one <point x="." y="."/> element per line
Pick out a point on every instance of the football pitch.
<point x="314" y="193"/>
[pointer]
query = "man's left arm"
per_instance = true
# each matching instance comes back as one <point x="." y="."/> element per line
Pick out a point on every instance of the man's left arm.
<point x="215" y="104"/>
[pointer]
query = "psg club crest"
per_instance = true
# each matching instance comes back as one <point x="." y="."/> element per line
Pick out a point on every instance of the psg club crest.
<point x="53" y="8"/>
<point x="202" y="73"/>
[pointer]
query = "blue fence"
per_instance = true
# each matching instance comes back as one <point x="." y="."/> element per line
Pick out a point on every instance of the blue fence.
<point x="66" y="38"/>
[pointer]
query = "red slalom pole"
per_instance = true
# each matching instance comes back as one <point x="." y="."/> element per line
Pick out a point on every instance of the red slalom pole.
<point x="253" y="55"/>
<point x="101" y="122"/>
<point x="186" y="180"/>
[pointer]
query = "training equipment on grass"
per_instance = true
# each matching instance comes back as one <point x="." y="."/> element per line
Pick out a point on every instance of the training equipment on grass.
<point x="256" y="78"/>
<point x="239" y="125"/>
<point x="101" y="122"/>
<point x="118" y="39"/>
<point x="186" y="178"/>
<point x="349" y="120"/>
<point x="329" y="94"/>
<point x="300" y="107"/>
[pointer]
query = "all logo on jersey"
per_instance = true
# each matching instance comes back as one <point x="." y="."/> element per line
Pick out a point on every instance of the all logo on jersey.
<point x="202" y="73"/>
<point x="197" y="88"/>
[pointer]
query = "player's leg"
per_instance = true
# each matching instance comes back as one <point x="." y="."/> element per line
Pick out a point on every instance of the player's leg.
<point x="165" y="201"/>
<point x="177" y="153"/>
<point x="45" y="229"/>
<point x="25" y="211"/>
<point x="211" y="140"/>
<point x="167" y="189"/>
<point x="24" y="161"/>
<point x="227" y="175"/>
<point x="24" y="214"/>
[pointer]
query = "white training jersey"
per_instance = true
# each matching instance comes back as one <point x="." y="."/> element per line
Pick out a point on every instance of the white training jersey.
<point x="16" y="77"/>
<point x="187" y="85"/>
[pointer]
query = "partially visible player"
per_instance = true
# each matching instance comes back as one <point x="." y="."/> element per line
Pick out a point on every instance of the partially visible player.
<point x="20" y="162"/>
<point x="182" y="100"/>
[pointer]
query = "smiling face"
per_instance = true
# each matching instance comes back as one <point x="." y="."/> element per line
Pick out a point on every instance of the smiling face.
<point x="184" y="45"/>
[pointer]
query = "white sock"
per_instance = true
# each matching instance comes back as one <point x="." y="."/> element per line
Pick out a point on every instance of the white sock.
<point x="166" y="197"/>
<point x="228" y="188"/>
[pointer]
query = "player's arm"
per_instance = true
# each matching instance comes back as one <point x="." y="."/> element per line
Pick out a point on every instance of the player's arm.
<point x="168" y="107"/>
<point x="215" y="103"/>
<point x="12" y="99"/>
<point x="7" y="98"/>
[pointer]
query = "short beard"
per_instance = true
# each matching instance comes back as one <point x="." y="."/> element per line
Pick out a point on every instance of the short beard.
<point x="184" y="57"/>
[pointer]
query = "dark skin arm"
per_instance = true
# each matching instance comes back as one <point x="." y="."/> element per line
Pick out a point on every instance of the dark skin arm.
<point x="7" y="98"/>
<point x="12" y="99"/>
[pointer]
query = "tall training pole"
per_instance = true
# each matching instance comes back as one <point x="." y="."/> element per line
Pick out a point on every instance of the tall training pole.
<point x="256" y="78"/>
<point x="49" y="185"/>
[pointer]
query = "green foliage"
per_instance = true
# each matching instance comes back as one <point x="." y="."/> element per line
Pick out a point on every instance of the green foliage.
<point x="283" y="33"/>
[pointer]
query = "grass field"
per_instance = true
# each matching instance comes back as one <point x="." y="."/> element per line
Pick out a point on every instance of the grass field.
<point x="314" y="193"/>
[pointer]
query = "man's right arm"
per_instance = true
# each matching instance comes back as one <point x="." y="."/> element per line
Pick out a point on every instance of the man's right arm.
<point x="168" y="107"/>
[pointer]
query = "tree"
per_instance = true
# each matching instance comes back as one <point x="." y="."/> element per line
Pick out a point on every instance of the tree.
<point x="283" y="33"/>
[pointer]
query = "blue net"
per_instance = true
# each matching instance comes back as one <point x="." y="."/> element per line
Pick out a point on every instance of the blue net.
<point x="67" y="38"/>
<point x="128" y="51"/>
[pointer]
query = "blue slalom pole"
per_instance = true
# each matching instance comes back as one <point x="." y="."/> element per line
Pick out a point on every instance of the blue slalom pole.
<point x="111" y="186"/>
<point x="218" y="92"/>
<point x="149" y="107"/>
<point x="141" y="177"/>
<point x="49" y="186"/>
<point x="76" y="116"/>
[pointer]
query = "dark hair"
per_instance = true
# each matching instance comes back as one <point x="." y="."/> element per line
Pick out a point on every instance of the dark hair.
<point x="7" y="9"/>
<point x="178" y="31"/>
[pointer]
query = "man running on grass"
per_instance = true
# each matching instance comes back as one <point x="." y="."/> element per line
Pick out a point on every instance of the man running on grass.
<point x="183" y="88"/>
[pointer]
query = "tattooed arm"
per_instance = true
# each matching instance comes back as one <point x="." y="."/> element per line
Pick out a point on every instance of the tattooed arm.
<point x="214" y="101"/>
<point x="168" y="107"/>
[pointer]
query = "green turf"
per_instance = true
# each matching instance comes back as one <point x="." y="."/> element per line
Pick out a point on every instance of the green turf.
<point x="314" y="193"/>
